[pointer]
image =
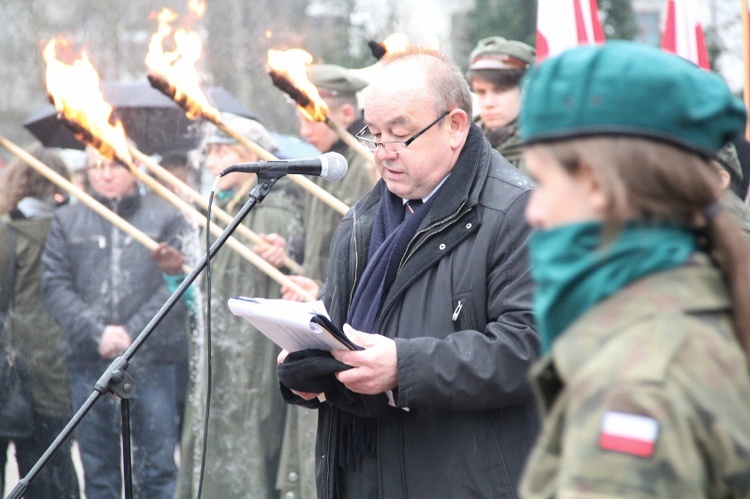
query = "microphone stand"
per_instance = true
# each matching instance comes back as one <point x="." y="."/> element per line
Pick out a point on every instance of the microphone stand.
<point x="115" y="378"/>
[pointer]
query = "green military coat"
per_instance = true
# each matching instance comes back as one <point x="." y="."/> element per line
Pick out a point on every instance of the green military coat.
<point x="296" y="477"/>
<point x="646" y="395"/>
<point x="35" y="334"/>
<point x="506" y="141"/>
<point x="247" y="414"/>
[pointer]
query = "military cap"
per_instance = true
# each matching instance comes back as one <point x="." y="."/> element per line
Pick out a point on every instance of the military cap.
<point x="332" y="81"/>
<point x="495" y="52"/>
<point x="626" y="88"/>
<point x="251" y="129"/>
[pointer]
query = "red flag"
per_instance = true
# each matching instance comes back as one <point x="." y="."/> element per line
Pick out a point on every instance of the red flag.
<point x="562" y="24"/>
<point x="683" y="33"/>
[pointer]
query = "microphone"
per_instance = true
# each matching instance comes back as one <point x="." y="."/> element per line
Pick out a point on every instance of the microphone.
<point x="330" y="166"/>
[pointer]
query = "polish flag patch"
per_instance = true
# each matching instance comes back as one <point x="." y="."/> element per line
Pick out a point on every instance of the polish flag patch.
<point x="628" y="434"/>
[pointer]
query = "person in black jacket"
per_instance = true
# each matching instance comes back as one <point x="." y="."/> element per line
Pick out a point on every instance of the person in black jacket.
<point x="102" y="288"/>
<point x="429" y="272"/>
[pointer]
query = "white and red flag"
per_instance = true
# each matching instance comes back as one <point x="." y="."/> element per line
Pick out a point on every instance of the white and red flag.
<point x="563" y="24"/>
<point x="683" y="32"/>
<point x="628" y="433"/>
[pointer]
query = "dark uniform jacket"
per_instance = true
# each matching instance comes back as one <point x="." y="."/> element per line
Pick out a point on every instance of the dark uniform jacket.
<point x="94" y="275"/>
<point x="460" y="313"/>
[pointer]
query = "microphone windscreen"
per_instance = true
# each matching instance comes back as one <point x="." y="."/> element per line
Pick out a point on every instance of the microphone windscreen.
<point x="333" y="166"/>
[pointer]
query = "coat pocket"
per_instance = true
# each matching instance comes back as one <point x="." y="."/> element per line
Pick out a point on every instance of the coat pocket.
<point x="463" y="313"/>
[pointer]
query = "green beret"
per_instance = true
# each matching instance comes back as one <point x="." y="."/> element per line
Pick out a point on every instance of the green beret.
<point x="495" y="52"/>
<point x="625" y="88"/>
<point x="332" y="80"/>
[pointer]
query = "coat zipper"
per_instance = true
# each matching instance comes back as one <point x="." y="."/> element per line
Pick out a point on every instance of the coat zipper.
<point x="457" y="312"/>
<point x="356" y="260"/>
<point x="446" y="220"/>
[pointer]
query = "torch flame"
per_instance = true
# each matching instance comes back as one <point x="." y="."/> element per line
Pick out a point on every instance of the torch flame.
<point x="396" y="42"/>
<point x="176" y="69"/>
<point x="74" y="90"/>
<point x="289" y="69"/>
<point x="197" y="7"/>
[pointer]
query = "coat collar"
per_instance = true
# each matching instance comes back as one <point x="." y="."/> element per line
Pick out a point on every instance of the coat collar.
<point x="466" y="180"/>
<point x="695" y="287"/>
<point x="463" y="186"/>
<point x="123" y="206"/>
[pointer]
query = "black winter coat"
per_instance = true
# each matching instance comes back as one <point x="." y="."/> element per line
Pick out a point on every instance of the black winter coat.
<point x="94" y="275"/>
<point x="460" y="313"/>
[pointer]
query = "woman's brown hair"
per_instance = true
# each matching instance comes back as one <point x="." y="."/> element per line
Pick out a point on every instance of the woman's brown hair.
<point x="18" y="180"/>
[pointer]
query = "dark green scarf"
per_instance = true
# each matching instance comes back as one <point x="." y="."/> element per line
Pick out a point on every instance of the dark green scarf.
<point x="574" y="269"/>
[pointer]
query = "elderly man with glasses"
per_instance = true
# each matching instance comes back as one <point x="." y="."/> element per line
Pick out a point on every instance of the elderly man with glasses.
<point x="429" y="273"/>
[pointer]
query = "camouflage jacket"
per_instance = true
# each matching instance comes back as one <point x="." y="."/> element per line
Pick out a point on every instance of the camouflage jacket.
<point x="647" y="395"/>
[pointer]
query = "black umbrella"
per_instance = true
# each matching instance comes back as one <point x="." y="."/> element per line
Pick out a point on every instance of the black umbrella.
<point x="151" y="119"/>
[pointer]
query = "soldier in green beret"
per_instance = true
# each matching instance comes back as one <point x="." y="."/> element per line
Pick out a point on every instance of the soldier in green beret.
<point x="496" y="67"/>
<point x="643" y="279"/>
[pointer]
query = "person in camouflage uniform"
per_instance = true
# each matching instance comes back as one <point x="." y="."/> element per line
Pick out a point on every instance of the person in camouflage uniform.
<point x="247" y="415"/>
<point x="338" y="87"/>
<point x="496" y="67"/>
<point x="645" y="387"/>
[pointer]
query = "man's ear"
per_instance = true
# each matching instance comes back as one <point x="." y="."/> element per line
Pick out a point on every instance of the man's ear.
<point x="459" y="127"/>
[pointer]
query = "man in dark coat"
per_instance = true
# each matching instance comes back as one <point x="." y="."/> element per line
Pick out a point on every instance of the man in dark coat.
<point x="102" y="288"/>
<point x="429" y="271"/>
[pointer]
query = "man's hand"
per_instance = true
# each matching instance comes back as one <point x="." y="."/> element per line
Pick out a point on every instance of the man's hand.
<point x="274" y="249"/>
<point x="115" y="340"/>
<point x="312" y="288"/>
<point x="375" y="369"/>
<point x="305" y="395"/>
<point x="169" y="259"/>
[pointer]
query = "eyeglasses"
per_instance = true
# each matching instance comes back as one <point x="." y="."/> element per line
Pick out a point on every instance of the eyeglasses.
<point x="394" y="145"/>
